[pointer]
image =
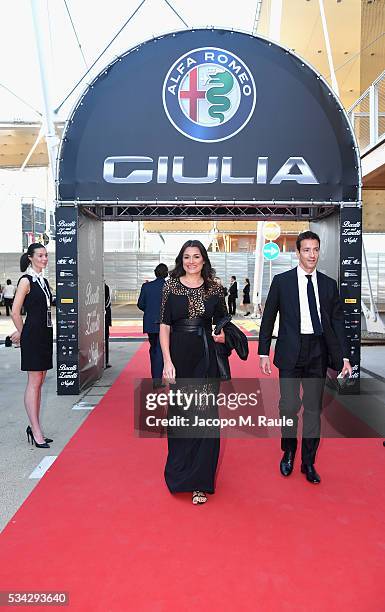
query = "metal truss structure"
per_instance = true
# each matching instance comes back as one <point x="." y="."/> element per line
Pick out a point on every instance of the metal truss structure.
<point x="140" y="211"/>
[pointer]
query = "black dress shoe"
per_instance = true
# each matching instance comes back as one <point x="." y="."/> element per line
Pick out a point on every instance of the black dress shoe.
<point x="310" y="473"/>
<point x="287" y="463"/>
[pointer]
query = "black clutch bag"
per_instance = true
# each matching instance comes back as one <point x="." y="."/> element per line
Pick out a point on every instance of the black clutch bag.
<point x="220" y="325"/>
<point x="222" y="352"/>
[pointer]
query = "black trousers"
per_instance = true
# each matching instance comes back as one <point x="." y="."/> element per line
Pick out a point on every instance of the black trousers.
<point x="309" y="372"/>
<point x="106" y="343"/>
<point x="232" y="302"/>
<point x="8" y="305"/>
<point x="156" y="358"/>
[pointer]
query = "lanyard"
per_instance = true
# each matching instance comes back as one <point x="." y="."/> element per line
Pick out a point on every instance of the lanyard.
<point x="44" y="288"/>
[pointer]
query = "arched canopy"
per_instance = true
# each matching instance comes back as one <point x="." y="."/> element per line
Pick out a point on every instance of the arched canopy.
<point x="209" y="117"/>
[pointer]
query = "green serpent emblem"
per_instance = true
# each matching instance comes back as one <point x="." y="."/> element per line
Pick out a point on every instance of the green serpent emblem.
<point x="216" y="95"/>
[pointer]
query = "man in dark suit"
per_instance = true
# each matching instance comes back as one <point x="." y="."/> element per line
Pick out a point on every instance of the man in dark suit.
<point x="149" y="301"/>
<point x="311" y="338"/>
<point x="233" y="294"/>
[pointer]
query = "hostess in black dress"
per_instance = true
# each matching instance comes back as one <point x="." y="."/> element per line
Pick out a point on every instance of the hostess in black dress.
<point x="36" y="339"/>
<point x="246" y="294"/>
<point x="192" y="456"/>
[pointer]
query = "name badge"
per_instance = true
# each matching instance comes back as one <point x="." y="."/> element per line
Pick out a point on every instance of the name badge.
<point x="49" y="318"/>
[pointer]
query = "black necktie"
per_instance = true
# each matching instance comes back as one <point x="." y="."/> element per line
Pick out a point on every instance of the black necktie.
<point x="317" y="327"/>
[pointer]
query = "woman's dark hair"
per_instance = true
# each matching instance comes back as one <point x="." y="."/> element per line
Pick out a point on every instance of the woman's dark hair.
<point x="247" y="281"/>
<point x="24" y="259"/>
<point x="207" y="270"/>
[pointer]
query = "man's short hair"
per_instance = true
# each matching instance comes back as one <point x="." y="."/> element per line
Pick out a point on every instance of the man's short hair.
<point x="161" y="270"/>
<point x="234" y="277"/>
<point x="307" y="236"/>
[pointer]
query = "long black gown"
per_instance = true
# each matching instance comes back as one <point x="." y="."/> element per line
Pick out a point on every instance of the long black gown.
<point x="192" y="461"/>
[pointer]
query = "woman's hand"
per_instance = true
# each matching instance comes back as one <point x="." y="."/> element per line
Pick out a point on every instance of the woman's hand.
<point x="219" y="337"/>
<point x="169" y="372"/>
<point x="15" y="337"/>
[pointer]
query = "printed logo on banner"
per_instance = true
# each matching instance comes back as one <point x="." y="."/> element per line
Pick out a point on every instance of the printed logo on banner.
<point x="92" y="242"/>
<point x="209" y="94"/>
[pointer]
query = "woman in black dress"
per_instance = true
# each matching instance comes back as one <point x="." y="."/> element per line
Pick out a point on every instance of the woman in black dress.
<point x="191" y="302"/>
<point x="35" y="335"/>
<point x="246" y="298"/>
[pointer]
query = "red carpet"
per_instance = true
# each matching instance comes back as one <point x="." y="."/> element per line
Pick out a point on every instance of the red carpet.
<point x="126" y="331"/>
<point x="102" y="526"/>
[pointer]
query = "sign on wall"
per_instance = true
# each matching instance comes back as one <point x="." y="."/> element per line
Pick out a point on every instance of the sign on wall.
<point x="67" y="333"/>
<point x="79" y="300"/>
<point x="350" y="281"/>
<point x="91" y="299"/>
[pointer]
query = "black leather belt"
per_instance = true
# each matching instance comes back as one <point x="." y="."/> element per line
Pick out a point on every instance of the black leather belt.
<point x="198" y="326"/>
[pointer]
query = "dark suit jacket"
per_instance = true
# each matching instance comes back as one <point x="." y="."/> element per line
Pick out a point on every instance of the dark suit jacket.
<point x="149" y="301"/>
<point x="233" y="290"/>
<point x="283" y="297"/>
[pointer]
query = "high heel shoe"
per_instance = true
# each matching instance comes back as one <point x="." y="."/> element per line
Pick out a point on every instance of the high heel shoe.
<point x="29" y="433"/>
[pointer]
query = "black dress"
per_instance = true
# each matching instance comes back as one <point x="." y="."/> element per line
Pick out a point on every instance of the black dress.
<point x="192" y="461"/>
<point x="246" y="294"/>
<point x="36" y="339"/>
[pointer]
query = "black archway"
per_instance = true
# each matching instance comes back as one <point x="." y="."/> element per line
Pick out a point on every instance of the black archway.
<point x="200" y="123"/>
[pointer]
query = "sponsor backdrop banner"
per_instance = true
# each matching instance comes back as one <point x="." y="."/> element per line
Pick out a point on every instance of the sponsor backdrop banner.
<point x="91" y="300"/>
<point x="67" y="336"/>
<point x="79" y="300"/>
<point x="208" y="115"/>
<point x="350" y="281"/>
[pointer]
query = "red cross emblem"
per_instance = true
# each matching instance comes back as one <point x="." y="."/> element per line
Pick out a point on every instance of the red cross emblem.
<point x="193" y="94"/>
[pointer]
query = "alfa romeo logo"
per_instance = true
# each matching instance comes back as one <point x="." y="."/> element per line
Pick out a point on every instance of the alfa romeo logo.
<point x="209" y="94"/>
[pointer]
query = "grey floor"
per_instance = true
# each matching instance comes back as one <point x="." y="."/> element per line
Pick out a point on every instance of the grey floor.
<point x="18" y="459"/>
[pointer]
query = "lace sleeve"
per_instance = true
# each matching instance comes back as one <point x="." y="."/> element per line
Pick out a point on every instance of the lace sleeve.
<point x="165" y="312"/>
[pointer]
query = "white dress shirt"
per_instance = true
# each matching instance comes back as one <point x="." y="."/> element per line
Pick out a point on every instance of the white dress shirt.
<point x="305" y="318"/>
<point x="9" y="292"/>
<point x="306" y="324"/>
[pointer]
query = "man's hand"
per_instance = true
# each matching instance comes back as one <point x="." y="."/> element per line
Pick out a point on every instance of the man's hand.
<point x="347" y="368"/>
<point x="264" y="364"/>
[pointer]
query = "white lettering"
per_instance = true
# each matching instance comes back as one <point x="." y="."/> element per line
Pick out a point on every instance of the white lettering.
<point x="217" y="168"/>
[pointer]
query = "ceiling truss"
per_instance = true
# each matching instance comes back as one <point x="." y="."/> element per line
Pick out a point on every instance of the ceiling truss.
<point x="194" y="211"/>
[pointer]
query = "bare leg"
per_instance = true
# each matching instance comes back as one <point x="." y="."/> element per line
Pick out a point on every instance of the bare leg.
<point x="39" y="398"/>
<point x="32" y="403"/>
